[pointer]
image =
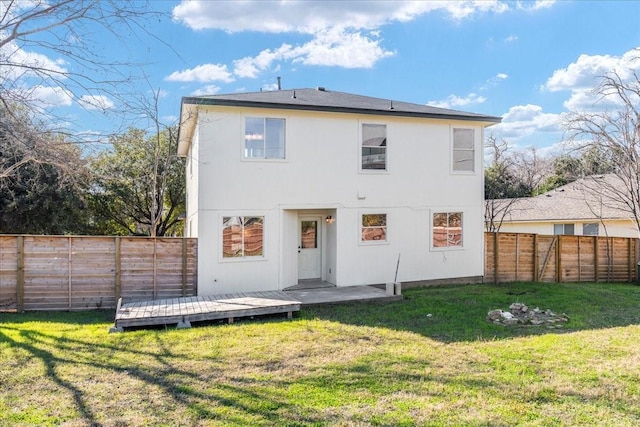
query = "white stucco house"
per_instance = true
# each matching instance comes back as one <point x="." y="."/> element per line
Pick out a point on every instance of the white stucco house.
<point x="590" y="206"/>
<point x="291" y="185"/>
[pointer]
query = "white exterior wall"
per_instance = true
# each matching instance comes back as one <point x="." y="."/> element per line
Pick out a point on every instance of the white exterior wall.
<point x="321" y="176"/>
<point x="614" y="228"/>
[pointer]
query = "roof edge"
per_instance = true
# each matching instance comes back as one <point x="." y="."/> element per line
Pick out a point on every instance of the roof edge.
<point x="193" y="100"/>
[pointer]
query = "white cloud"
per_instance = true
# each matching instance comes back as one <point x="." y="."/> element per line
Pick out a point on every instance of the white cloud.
<point x="202" y="73"/>
<point x="335" y="47"/>
<point x="454" y="101"/>
<point x="96" y="102"/>
<point x="47" y="97"/>
<point x="581" y="74"/>
<point x="17" y="63"/>
<point x="312" y="16"/>
<point x="535" y="5"/>
<point x="341" y="48"/>
<point x="249" y="67"/>
<point x="343" y="34"/>
<point x="207" y="90"/>
<point x="512" y="38"/>
<point x="580" y="78"/>
<point x="525" y="120"/>
<point x="494" y="81"/>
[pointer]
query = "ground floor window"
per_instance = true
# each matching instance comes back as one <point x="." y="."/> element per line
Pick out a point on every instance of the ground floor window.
<point x="374" y="228"/>
<point x="242" y="236"/>
<point x="567" y="229"/>
<point x="447" y="229"/>
<point x="590" y="229"/>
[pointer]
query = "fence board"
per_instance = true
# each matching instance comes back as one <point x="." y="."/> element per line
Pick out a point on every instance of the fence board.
<point x="530" y="257"/>
<point x="89" y="272"/>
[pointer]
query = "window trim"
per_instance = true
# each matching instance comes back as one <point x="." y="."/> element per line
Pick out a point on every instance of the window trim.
<point x="243" y="156"/>
<point x="361" y="124"/>
<point x="447" y="211"/>
<point x="361" y="228"/>
<point x="452" y="149"/>
<point x="242" y="258"/>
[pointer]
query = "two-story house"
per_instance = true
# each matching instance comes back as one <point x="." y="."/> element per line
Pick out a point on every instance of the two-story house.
<point x="289" y="185"/>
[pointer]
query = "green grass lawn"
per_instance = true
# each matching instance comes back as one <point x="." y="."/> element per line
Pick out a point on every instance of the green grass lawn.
<point x="431" y="359"/>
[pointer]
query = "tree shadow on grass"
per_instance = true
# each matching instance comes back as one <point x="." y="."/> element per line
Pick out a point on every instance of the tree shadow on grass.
<point x="187" y="389"/>
<point x="458" y="313"/>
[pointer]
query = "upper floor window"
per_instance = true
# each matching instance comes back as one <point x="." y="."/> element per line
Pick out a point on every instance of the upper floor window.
<point x="447" y="229"/>
<point x="242" y="236"/>
<point x="374" y="227"/>
<point x="464" y="153"/>
<point x="263" y="138"/>
<point x="374" y="147"/>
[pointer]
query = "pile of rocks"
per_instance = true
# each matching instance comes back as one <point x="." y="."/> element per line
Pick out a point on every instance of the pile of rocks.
<point x="520" y="314"/>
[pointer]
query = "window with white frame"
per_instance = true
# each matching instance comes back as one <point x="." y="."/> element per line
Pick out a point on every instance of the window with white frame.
<point x="447" y="229"/>
<point x="242" y="236"/>
<point x="374" y="147"/>
<point x="568" y="229"/>
<point x="264" y="138"/>
<point x="590" y="229"/>
<point x="463" y="150"/>
<point x="374" y="227"/>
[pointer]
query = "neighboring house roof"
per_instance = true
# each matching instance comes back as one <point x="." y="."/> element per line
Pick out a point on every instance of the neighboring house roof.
<point x="585" y="199"/>
<point x="321" y="99"/>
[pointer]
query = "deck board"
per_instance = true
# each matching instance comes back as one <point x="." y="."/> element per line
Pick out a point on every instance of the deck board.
<point x="195" y="309"/>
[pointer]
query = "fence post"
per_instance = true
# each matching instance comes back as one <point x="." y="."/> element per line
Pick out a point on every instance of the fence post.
<point x="637" y="258"/>
<point x="558" y="259"/>
<point x="596" y="258"/>
<point x="496" y="267"/>
<point x="536" y="261"/>
<point x="69" y="271"/>
<point x="20" y="275"/>
<point x="184" y="267"/>
<point x="155" y="268"/>
<point x="579" y="260"/>
<point x="630" y="250"/>
<point x="118" y="270"/>
<point x="517" y="253"/>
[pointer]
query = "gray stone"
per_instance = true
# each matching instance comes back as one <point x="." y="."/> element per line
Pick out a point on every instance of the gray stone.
<point x="521" y="314"/>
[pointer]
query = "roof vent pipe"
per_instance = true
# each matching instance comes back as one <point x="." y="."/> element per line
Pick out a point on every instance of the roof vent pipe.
<point x="279" y="87"/>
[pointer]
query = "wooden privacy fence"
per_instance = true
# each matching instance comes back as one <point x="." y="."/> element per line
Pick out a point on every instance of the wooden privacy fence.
<point x="532" y="257"/>
<point x="88" y="272"/>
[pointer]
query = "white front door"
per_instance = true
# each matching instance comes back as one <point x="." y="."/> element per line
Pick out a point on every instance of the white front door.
<point x="309" y="248"/>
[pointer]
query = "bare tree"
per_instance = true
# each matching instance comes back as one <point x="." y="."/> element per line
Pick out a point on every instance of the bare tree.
<point x="46" y="48"/>
<point x="617" y="132"/>
<point x="532" y="169"/>
<point x="496" y="205"/>
<point x="502" y="185"/>
<point x="162" y="174"/>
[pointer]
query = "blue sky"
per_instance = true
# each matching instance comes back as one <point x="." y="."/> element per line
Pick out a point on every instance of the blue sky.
<point x="529" y="62"/>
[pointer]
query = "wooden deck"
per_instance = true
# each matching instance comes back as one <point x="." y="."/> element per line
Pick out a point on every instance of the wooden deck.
<point x="183" y="311"/>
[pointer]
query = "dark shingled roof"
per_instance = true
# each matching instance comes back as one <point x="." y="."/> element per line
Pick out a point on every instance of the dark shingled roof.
<point x="325" y="100"/>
